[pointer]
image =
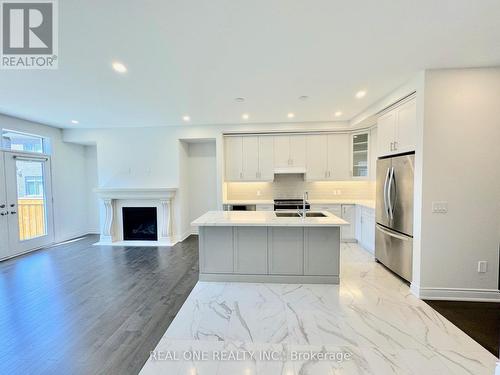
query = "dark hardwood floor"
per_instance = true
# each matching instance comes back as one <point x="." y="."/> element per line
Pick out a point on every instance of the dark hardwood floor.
<point x="480" y="320"/>
<point x="82" y="309"/>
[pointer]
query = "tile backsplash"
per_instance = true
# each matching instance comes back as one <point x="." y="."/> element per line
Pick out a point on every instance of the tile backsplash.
<point x="293" y="186"/>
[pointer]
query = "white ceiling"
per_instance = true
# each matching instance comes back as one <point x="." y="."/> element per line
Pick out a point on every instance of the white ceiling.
<point x="195" y="57"/>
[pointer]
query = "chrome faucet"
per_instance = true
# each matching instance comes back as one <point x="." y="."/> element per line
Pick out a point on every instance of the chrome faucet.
<point x="304" y="198"/>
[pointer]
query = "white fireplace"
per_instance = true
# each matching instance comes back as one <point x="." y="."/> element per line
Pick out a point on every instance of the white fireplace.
<point x="115" y="199"/>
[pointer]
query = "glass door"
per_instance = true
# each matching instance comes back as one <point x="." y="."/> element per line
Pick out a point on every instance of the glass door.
<point x="359" y="155"/>
<point x="29" y="201"/>
<point x="4" y="227"/>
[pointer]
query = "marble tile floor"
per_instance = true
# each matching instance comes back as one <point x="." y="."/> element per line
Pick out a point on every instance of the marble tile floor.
<point x="369" y="324"/>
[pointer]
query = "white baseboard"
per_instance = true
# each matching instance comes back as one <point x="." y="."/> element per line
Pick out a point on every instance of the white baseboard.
<point x="456" y="294"/>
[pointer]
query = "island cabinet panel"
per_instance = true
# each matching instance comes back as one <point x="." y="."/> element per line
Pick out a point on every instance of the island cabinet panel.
<point x="286" y="251"/>
<point x="250" y="250"/>
<point x="216" y="250"/>
<point x="321" y="251"/>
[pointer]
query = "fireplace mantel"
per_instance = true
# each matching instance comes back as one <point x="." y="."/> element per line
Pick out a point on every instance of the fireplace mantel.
<point x="115" y="198"/>
<point x="135" y="193"/>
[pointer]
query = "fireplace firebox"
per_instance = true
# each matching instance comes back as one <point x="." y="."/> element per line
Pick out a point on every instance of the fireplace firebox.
<point x="140" y="224"/>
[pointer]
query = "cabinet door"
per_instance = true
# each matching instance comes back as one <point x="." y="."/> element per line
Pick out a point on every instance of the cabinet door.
<point x="368" y="230"/>
<point x="250" y="250"/>
<point x="233" y="152"/>
<point x="373" y="155"/>
<point x="348" y="232"/>
<point x="386" y="127"/>
<point x="406" y="126"/>
<point x="316" y="157"/>
<point x="250" y="158"/>
<point x="321" y="251"/>
<point x="216" y="249"/>
<point x="286" y="251"/>
<point x="266" y="159"/>
<point x="338" y="157"/>
<point x="281" y="151"/>
<point x="298" y="151"/>
<point x="360" y="155"/>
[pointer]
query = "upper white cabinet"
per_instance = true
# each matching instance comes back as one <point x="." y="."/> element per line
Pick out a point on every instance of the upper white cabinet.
<point x="360" y="147"/>
<point x="327" y="157"/>
<point x="396" y="129"/>
<point x="249" y="158"/>
<point x="317" y="157"/>
<point x="338" y="157"/>
<point x="233" y="155"/>
<point x="290" y="152"/>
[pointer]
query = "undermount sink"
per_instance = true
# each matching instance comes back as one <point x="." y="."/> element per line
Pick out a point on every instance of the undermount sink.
<point x="315" y="214"/>
<point x="296" y="214"/>
<point x="287" y="214"/>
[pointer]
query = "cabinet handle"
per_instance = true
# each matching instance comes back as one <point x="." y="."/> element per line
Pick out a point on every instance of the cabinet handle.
<point x="13" y="212"/>
<point x="2" y="205"/>
<point x="5" y="213"/>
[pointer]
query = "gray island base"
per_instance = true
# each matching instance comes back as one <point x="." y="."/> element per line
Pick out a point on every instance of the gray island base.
<point x="259" y="247"/>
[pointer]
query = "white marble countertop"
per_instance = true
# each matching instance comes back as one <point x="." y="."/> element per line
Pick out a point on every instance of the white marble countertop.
<point x="265" y="219"/>
<point x="362" y="202"/>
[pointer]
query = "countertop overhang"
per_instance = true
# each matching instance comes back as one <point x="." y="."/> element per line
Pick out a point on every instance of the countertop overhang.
<point x="265" y="219"/>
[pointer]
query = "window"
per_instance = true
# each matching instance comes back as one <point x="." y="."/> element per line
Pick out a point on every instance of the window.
<point x="16" y="141"/>
<point x="33" y="186"/>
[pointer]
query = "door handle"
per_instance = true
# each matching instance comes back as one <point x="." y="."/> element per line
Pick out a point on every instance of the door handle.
<point x="385" y="193"/>
<point x="398" y="236"/>
<point x="391" y="178"/>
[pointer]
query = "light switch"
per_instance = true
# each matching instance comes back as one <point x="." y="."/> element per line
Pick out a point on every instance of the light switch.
<point x="482" y="266"/>
<point x="440" y="207"/>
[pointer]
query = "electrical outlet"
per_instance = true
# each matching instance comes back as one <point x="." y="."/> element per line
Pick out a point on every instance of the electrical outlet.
<point x="335" y="192"/>
<point x="482" y="266"/>
<point x="258" y="193"/>
<point x="339" y="192"/>
<point x="439" y="207"/>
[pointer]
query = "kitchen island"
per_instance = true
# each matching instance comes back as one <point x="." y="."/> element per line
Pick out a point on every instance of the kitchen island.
<point x="262" y="246"/>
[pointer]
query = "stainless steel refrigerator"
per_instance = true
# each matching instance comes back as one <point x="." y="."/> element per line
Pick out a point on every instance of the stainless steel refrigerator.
<point x="394" y="214"/>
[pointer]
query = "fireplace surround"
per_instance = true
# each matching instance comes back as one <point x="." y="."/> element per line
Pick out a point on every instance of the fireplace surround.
<point x="114" y="200"/>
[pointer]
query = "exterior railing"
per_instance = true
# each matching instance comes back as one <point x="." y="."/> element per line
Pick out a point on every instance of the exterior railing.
<point x="31" y="213"/>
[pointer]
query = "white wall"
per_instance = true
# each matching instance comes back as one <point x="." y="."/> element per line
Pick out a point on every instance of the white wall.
<point x="92" y="183"/>
<point x="202" y="167"/>
<point x="460" y="165"/>
<point x="69" y="183"/>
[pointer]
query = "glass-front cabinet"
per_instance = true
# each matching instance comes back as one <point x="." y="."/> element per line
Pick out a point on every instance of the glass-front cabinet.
<point x="359" y="155"/>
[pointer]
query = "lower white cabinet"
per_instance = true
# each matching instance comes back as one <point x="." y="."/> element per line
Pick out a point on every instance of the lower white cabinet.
<point x="348" y="232"/>
<point x="264" y="207"/>
<point x="367" y="231"/>
<point x="250" y="250"/>
<point x="286" y="251"/>
<point x="322" y="259"/>
<point x="220" y="242"/>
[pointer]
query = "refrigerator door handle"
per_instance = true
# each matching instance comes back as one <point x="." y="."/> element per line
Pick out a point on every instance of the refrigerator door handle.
<point x="385" y="193"/>
<point x="391" y="234"/>
<point x="391" y="178"/>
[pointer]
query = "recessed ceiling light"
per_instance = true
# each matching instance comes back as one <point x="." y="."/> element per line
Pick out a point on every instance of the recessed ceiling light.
<point x="291" y="115"/>
<point x="303" y="97"/>
<point x="360" y="94"/>
<point x="75" y="121"/>
<point x="239" y="100"/>
<point x="245" y="116"/>
<point x="186" y="118"/>
<point x="338" y="113"/>
<point x="119" y="67"/>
